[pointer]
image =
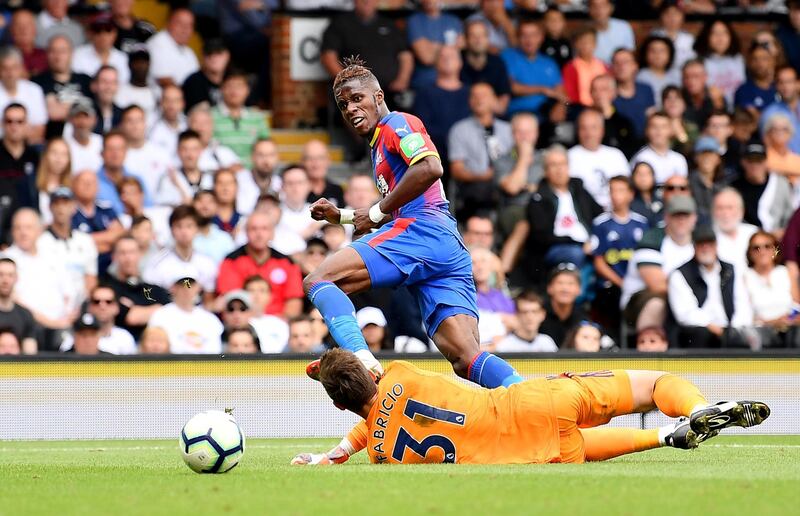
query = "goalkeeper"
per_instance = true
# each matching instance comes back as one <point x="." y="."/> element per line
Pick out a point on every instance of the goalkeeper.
<point x="415" y="416"/>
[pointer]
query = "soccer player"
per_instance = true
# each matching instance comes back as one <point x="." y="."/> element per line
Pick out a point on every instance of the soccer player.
<point x="415" y="416"/>
<point x="417" y="244"/>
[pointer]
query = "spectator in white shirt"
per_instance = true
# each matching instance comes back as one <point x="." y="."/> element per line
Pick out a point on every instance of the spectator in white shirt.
<point x="285" y="240"/>
<point x="214" y="156"/>
<point x="53" y="20"/>
<point x="170" y="122"/>
<point x="104" y="306"/>
<point x="179" y="186"/>
<point x="210" y="240"/>
<point x="100" y="50"/>
<point x="144" y="159"/>
<point x="593" y="162"/>
<point x="53" y="172"/>
<point x="169" y="263"/>
<point x="137" y="91"/>
<point x="612" y="33"/>
<point x="191" y="329"/>
<point x="526" y="337"/>
<point x="262" y="177"/>
<point x="665" y="161"/>
<point x="172" y="59"/>
<point x="770" y="291"/>
<point x="295" y="211"/>
<point x="709" y="299"/>
<point x="132" y="197"/>
<point x="733" y="234"/>
<point x="15" y="89"/>
<point x="85" y="146"/>
<point x="74" y="248"/>
<point x="43" y="286"/>
<point x="273" y="332"/>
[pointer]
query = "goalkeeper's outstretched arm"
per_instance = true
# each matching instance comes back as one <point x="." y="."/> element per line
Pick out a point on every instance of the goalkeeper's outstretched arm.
<point x="355" y="441"/>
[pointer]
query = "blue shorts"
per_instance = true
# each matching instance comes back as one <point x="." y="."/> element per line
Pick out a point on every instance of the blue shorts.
<point x="428" y="258"/>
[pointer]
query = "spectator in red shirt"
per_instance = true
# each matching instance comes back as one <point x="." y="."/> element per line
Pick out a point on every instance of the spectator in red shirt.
<point x="23" y="36"/>
<point x="258" y="258"/>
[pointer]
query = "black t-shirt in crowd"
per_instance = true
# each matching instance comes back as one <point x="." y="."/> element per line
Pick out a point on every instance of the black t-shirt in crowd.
<point x="494" y="73"/>
<point x="17" y="185"/>
<point x="751" y="194"/>
<point x="377" y="42"/>
<point x="332" y="192"/>
<point x="77" y="86"/>
<point x="557" y="329"/>
<point x="21" y="322"/>
<point x="198" y="88"/>
<point x="136" y="293"/>
<point x="128" y="39"/>
<point x="559" y="50"/>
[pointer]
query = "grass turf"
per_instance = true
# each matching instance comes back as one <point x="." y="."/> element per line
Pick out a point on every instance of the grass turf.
<point x="729" y="475"/>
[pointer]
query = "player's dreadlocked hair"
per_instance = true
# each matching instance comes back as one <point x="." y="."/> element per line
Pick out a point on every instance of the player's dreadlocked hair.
<point x="354" y="69"/>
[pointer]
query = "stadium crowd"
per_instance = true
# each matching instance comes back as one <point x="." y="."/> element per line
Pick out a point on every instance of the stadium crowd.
<point x="613" y="193"/>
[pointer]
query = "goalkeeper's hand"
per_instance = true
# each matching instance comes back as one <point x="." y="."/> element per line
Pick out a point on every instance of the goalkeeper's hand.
<point x="335" y="456"/>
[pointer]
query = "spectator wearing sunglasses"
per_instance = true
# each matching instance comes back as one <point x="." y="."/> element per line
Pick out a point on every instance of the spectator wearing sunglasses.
<point x="103" y="305"/>
<point x="770" y="291"/>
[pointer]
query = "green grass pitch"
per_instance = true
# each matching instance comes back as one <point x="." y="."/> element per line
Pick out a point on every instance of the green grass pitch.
<point x="728" y="475"/>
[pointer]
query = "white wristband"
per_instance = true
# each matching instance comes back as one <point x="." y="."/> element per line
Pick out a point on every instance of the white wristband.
<point x="346" y="216"/>
<point x="375" y="213"/>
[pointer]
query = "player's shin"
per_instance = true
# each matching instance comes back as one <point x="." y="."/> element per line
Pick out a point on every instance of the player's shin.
<point x="488" y="370"/>
<point x="339" y="314"/>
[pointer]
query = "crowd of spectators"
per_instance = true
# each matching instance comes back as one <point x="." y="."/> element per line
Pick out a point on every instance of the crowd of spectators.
<point x="615" y="190"/>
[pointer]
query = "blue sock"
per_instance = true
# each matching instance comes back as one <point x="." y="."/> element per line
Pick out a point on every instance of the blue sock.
<point x="491" y="371"/>
<point x="339" y="314"/>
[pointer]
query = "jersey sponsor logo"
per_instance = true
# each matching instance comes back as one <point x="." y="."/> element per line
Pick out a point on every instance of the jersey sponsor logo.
<point x="412" y="145"/>
<point x="277" y="276"/>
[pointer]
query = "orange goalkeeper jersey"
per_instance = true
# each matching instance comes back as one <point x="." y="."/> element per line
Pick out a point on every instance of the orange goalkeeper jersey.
<point x="425" y="417"/>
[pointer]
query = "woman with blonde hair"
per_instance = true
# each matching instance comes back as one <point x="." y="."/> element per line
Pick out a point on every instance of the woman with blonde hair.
<point x="54" y="170"/>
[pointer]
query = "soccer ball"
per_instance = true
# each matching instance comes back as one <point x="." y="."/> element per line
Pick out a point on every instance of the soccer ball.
<point x="211" y="442"/>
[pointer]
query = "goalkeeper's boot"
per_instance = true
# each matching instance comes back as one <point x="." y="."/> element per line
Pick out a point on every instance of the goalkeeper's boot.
<point x="728" y="413"/>
<point x="684" y="438"/>
<point x="312" y="371"/>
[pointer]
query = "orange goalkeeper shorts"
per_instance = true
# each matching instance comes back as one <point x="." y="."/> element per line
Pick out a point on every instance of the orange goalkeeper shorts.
<point x="586" y="400"/>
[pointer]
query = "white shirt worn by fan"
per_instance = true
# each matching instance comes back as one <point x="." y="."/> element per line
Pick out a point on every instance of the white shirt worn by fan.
<point x="84" y="157"/>
<point x="595" y="168"/>
<point x="150" y="163"/>
<point x="273" y="333"/>
<point x="167" y="265"/>
<point x="170" y="60"/>
<point x="771" y="296"/>
<point x="665" y="165"/>
<point x="567" y="223"/>
<point x="118" y="342"/>
<point x="31" y="96"/>
<point x="196" y="331"/>
<point x="86" y="60"/>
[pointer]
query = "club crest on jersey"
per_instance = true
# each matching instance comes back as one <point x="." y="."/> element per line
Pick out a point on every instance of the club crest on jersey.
<point x="383" y="186"/>
<point x="412" y="145"/>
<point x="378" y="158"/>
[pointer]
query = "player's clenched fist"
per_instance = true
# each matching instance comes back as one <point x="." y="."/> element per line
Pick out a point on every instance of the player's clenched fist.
<point x="362" y="221"/>
<point x="323" y="209"/>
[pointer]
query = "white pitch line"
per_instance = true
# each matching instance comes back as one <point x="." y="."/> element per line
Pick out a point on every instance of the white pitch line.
<point x="141" y="448"/>
<point x="750" y="445"/>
